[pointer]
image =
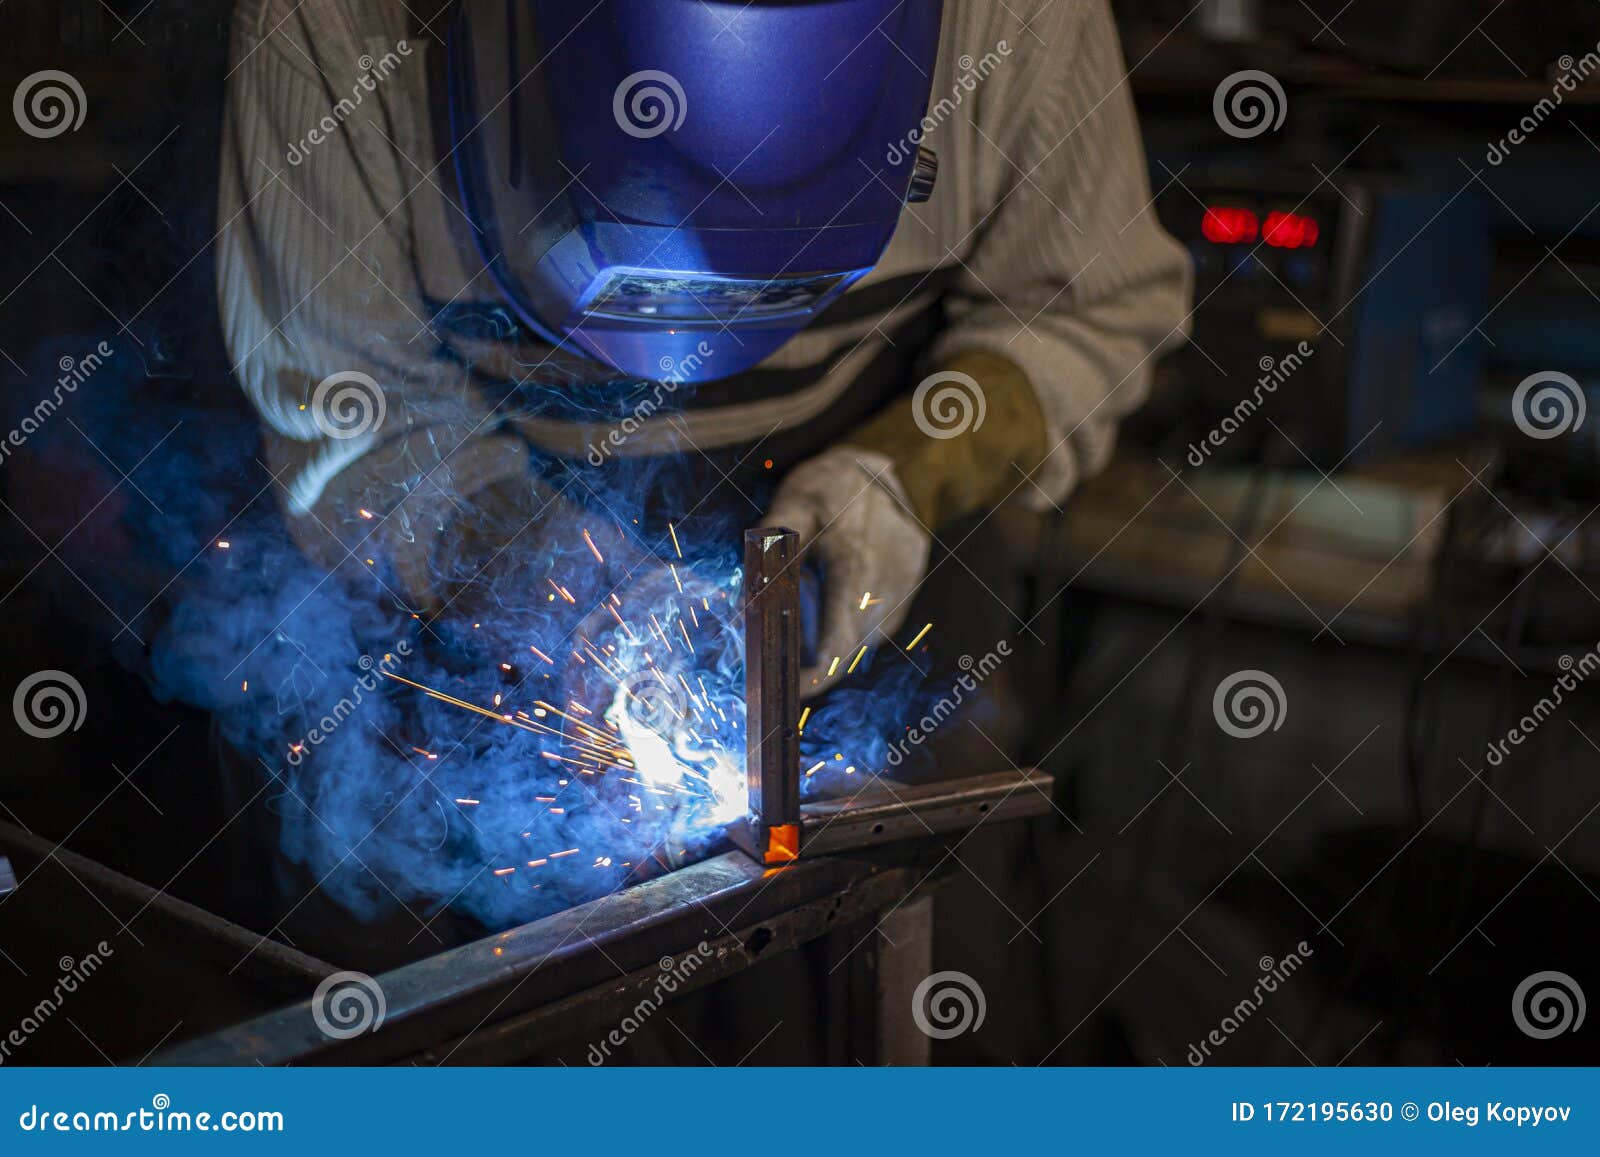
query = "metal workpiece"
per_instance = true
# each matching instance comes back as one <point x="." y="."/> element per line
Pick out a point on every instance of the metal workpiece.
<point x="885" y="811"/>
<point x="546" y="984"/>
<point x="777" y="828"/>
<point x="503" y="998"/>
<point x="771" y="832"/>
<point x="261" y="960"/>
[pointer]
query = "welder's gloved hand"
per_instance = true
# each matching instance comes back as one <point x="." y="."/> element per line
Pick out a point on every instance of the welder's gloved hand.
<point x="854" y="520"/>
<point x="961" y="444"/>
<point x="867" y="510"/>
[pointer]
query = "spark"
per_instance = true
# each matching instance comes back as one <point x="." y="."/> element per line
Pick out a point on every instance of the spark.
<point x="469" y="802"/>
<point x="600" y="558"/>
<point x="804" y="715"/>
<point x="673" y="530"/>
<point x="920" y="635"/>
<point x="851" y="670"/>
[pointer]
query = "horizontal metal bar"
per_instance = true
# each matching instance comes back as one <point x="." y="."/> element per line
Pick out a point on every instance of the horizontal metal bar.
<point x="499" y="988"/>
<point x="889" y="812"/>
<point x="587" y="1018"/>
<point x="257" y="958"/>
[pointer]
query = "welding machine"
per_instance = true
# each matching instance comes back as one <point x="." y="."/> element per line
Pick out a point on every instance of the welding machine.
<point x="646" y="177"/>
<point x="1344" y="313"/>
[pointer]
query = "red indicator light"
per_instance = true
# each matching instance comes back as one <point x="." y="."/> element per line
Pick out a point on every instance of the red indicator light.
<point x="1290" y="231"/>
<point x="1225" y="225"/>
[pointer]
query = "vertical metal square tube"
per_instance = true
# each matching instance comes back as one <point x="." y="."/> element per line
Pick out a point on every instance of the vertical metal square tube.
<point x="772" y="690"/>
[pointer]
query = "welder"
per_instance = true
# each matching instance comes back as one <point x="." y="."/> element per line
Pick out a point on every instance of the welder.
<point x="899" y="257"/>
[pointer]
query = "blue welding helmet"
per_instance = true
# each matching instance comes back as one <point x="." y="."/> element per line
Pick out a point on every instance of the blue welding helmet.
<point x="678" y="187"/>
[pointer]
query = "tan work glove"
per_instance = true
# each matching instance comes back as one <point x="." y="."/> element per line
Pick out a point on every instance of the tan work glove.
<point x="867" y="510"/>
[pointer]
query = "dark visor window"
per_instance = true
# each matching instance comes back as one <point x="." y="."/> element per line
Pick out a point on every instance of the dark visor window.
<point x="634" y="296"/>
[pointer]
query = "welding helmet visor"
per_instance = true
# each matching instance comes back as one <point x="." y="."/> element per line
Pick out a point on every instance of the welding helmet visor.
<point x="677" y="187"/>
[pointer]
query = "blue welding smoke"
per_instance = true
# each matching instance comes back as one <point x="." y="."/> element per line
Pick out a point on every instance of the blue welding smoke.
<point x="488" y="792"/>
